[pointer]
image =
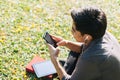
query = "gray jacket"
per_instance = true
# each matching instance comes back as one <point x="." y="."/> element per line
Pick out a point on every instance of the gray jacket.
<point x="100" y="61"/>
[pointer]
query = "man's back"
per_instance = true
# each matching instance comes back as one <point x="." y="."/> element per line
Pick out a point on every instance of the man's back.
<point x="110" y="69"/>
<point x="105" y="54"/>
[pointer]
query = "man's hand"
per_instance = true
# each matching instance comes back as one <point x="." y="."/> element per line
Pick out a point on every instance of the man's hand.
<point x="60" y="41"/>
<point x="54" y="52"/>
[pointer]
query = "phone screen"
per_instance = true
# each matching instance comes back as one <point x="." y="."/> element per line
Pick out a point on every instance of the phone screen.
<point x="49" y="39"/>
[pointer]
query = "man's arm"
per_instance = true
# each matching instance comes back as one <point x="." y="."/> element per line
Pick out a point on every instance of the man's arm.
<point x="73" y="46"/>
<point x="54" y="52"/>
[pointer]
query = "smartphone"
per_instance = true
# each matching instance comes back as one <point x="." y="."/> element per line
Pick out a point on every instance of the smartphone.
<point x="49" y="39"/>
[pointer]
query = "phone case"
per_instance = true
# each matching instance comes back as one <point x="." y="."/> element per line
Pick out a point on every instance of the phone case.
<point x="49" y="39"/>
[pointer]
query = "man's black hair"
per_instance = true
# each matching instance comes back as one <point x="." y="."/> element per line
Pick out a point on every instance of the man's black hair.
<point x="90" y="21"/>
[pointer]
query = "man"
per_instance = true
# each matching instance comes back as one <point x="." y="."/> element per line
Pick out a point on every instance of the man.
<point x="97" y="51"/>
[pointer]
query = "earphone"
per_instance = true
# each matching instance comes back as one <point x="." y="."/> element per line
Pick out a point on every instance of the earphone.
<point x="86" y="38"/>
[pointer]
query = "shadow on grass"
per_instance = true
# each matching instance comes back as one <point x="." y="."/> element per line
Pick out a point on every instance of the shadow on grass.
<point x="32" y="76"/>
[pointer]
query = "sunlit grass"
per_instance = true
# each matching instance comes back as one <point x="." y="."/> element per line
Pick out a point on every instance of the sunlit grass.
<point x="23" y="22"/>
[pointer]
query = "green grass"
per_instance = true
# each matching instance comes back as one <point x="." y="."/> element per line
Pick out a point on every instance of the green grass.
<point x="23" y="22"/>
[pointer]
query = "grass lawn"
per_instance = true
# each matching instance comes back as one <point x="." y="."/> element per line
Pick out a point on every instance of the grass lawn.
<point x="23" y="22"/>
